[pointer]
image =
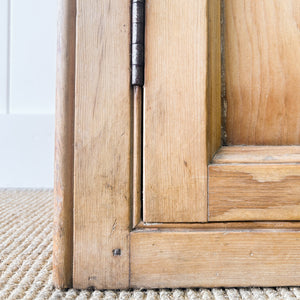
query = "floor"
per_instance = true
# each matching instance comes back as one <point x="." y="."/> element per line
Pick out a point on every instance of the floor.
<point x="26" y="259"/>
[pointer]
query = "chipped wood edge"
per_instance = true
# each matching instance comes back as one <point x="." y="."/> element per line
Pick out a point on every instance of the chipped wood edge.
<point x="64" y="140"/>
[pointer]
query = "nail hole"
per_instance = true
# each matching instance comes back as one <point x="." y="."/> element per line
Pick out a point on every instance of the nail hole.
<point x="116" y="252"/>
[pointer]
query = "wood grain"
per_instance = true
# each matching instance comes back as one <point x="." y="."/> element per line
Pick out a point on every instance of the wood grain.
<point x="175" y="120"/>
<point x="257" y="154"/>
<point x="64" y="151"/>
<point x="137" y="155"/>
<point x="214" y="259"/>
<point x="245" y="192"/>
<point x="262" y="48"/>
<point x="217" y="226"/>
<point x="102" y="186"/>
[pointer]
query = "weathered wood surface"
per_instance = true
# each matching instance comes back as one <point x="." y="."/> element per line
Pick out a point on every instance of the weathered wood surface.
<point x="175" y="113"/>
<point x="64" y="135"/>
<point x="257" y="154"/>
<point x="262" y="48"/>
<point x="214" y="259"/>
<point x="102" y="145"/>
<point x="254" y="225"/>
<point x="246" y="192"/>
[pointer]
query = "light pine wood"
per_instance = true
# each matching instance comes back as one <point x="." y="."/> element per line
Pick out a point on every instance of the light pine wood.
<point x="137" y="157"/>
<point x="257" y="154"/>
<point x="102" y="145"/>
<point x="181" y="135"/>
<point x="245" y="192"/>
<point x="262" y="48"/>
<point x="214" y="259"/>
<point x="214" y="78"/>
<point x="150" y="227"/>
<point x="64" y="135"/>
<point x="175" y="120"/>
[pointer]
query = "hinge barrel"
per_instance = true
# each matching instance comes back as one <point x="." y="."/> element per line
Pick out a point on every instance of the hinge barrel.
<point x="137" y="42"/>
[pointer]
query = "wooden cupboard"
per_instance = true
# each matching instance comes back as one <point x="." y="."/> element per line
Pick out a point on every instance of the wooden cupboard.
<point x="193" y="179"/>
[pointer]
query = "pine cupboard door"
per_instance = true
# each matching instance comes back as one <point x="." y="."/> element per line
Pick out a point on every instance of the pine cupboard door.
<point x="193" y="179"/>
<point x="259" y="180"/>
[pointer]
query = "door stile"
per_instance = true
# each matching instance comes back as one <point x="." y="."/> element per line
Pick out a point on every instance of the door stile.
<point x="103" y="160"/>
<point x="182" y="114"/>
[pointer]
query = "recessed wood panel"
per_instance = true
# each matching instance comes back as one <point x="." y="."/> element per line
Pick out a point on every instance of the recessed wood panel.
<point x="102" y="145"/>
<point x="214" y="259"/>
<point x="175" y="108"/>
<point x="262" y="51"/>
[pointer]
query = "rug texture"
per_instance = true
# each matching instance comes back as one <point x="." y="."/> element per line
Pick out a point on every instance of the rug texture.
<point x="26" y="259"/>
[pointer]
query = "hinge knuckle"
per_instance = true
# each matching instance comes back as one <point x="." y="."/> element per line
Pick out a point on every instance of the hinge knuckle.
<point x="137" y="42"/>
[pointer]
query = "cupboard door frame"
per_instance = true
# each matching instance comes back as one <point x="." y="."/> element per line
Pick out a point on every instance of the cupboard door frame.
<point x="149" y="255"/>
<point x="181" y="91"/>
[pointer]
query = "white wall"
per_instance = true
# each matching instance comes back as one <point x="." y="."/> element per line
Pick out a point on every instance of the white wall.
<point x="27" y="92"/>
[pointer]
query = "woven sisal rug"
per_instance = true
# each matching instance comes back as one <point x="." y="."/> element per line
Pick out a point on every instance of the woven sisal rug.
<point x="26" y="259"/>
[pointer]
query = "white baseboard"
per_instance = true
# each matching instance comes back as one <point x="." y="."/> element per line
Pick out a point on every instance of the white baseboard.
<point x="26" y="150"/>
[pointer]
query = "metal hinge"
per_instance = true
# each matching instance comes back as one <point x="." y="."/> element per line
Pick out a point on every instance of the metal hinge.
<point x="137" y="42"/>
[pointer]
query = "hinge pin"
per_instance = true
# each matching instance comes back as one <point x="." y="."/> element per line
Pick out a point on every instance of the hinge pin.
<point x="137" y="42"/>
